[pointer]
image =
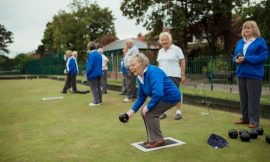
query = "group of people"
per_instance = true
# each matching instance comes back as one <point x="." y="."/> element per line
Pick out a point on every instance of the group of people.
<point x="96" y="72"/>
<point x="161" y="83"/>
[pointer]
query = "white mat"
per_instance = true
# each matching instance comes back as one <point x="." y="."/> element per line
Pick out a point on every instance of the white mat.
<point x="52" y="98"/>
<point x="169" y="142"/>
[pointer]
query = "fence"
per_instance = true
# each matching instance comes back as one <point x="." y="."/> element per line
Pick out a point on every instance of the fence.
<point x="211" y="73"/>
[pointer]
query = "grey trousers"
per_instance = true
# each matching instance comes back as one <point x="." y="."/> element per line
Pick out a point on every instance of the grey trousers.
<point x="250" y="94"/>
<point x="95" y="86"/>
<point x="104" y="80"/>
<point x="152" y="121"/>
<point x="124" y="83"/>
<point x="131" y="85"/>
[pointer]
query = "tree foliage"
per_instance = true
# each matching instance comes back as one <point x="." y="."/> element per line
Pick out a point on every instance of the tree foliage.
<point x="205" y="19"/>
<point x="259" y="12"/>
<point x="5" y="38"/>
<point x="87" y="22"/>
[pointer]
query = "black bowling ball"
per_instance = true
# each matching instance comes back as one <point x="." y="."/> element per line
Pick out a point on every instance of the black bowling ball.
<point x="123" y="117"/>
<point x="245" y="137"/>
<point x="260" y="131"/>
<point x="253" y="134"/>
<point x="267" y="138"/>
<point x="242" y="131"/>
<point x="233" y="133"/>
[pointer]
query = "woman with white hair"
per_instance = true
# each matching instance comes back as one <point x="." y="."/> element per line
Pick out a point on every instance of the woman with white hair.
<point x="250" y="54"/>
<point x="162" y="91"/>
<point x="172" y="61"/>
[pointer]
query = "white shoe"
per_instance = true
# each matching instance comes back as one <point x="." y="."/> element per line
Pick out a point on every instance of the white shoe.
<point x="93" y="104"/>
<point x="126" y="100"/>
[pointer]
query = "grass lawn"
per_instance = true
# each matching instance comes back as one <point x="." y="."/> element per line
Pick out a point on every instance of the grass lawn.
<point x="69" y="130"/>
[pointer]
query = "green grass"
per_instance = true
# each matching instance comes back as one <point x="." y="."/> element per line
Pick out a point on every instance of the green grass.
<point x="69" y="130"/>
<point x="265" y="99"/>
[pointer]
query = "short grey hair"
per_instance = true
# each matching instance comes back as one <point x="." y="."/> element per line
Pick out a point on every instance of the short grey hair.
<point x="165" y="35"/>
<point x="141" y="58"/>
<point x="130" y="41"/>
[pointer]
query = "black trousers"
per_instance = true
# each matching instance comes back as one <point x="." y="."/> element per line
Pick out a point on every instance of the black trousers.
<point x="70" y="83"/>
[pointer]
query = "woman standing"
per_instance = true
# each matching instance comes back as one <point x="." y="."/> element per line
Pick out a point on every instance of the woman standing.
<point x="172" y="61"/>
<point x="94" y="73"/>
<point x="164" y="95"/>
<point x="250" y="54"/>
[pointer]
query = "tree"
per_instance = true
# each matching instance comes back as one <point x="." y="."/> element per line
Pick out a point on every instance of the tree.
<point x="175" y="14"/>
<point x="5" y="38"/>
<point x="210" y="20"/>
<point x="258" y="12"/>
<point x="87" y="22"/>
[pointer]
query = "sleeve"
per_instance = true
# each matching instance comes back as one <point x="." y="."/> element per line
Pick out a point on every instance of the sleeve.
<point x="179" y="53"/>
<point x="237" y="52"/>
<point x="67" y="64"/>
<point x="140" y="100"/>
<point x="89" y="65"/>
<point x="258" y="59"/>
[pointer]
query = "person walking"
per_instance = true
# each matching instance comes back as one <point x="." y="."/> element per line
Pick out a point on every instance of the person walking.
<point x="172" y="61"/>
<point x="94" y="73"/>
<point x="249" y="56"/>
<point x="71" y="72"/>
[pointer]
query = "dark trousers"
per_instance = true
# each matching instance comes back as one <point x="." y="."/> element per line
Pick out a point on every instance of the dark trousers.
<point x="131" y="85"/>
<point x="95" y="86"/>
<point x="124" y="83"/>
<point x="70" y="83"/>
<point x="250" y="94"/>
<point x="104" y="80"/>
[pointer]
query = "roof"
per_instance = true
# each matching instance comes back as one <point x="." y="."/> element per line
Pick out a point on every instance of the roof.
<point x="119" y="44"/>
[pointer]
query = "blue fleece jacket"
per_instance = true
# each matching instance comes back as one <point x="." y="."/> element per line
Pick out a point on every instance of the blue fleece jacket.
<point x="72" y="66"/>
<point x="93" y="65"/>
<point x="158" y="86"/>
<point x="256" y="55"/>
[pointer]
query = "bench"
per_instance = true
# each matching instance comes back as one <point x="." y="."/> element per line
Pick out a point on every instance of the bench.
<point x="221" y="76"/>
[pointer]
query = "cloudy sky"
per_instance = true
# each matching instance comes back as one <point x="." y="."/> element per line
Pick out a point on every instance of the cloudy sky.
<point x="27" y="20"/>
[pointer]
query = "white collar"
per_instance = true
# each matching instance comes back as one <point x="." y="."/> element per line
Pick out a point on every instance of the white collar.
<point x="141" y="77"/>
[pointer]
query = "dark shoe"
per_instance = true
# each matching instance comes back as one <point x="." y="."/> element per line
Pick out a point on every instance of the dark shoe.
<point x="104" y="92"/>
<point x="63" y="91"/>
<point x="178" y="117"/>
<point x="145" y="142"/>
<point x="162" y="116"/>
<point x="252" y="126"/>
<point x="155" y="144"/>
<point x="240" y="121"/>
